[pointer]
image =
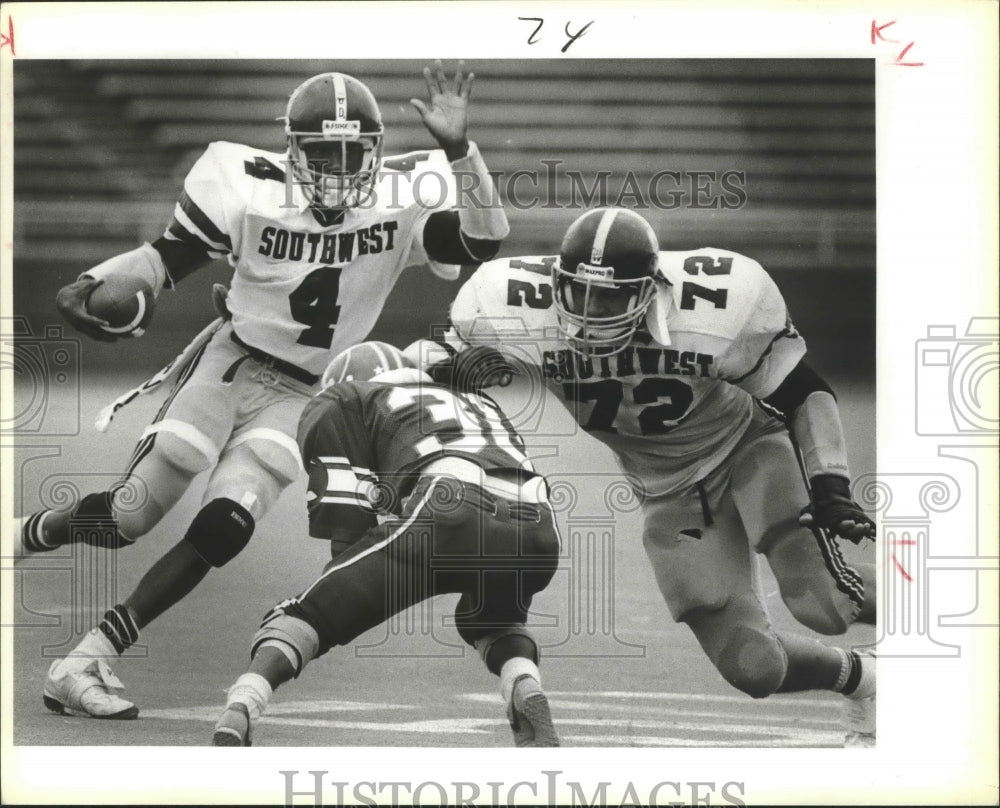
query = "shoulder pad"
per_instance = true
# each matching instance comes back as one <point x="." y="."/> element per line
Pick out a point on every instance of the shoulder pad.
<point x="424" y="178"/>
<point x="717" y="292"/>
<point x="503" y="299"/>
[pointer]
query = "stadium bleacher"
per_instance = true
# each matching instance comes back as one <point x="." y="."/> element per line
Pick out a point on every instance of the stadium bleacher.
<point x="102" y="147"/>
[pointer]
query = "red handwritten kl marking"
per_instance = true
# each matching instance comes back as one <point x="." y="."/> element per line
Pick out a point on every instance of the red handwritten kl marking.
<point x="8" y="38"/>
<point x="876" y="34"/>
<point x="899" y="59"/>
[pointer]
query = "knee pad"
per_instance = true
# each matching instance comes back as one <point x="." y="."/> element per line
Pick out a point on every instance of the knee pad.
<point x="753" y="661"/>
<point x="93" y="522"/>
<point x="274" y="452"/>
<point x="517" y="640"/>
<point x="220" y="531"/>
<point x="298" y="640"/>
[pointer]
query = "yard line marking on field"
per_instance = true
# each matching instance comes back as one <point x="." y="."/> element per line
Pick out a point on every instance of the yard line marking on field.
<point x="486" y="725"/>
<point x="797" y="739"/>
<point x="283" y="708"/>
<point x="744" y="701"/>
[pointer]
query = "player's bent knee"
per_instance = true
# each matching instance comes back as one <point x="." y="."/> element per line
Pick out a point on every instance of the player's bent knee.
<point x="295" y="638"/>
<point x="753" y="661"/>
<point x="274" y="452"/>
<point x="821" y="615"/>
<point x="187" y="451"/>
<point x="220" y="531"/>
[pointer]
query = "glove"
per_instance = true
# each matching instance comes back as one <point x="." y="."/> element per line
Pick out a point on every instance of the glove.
<point x="219" y="295"/>
<point x="71" y="301"/>
<point x="833" y="510"/>
<point x="473" y="370"/>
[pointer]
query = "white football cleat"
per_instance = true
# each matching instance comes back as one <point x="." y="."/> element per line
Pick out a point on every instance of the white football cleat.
<point x="859" y="710"/>
<point x="529" y="716"/>
<point x="85" y="690"/>
<point x="20" y="551"/>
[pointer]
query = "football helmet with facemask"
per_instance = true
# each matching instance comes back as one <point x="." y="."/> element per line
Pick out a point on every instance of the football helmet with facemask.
<point x="604" y="280"/>
<point x="334" y="130"/>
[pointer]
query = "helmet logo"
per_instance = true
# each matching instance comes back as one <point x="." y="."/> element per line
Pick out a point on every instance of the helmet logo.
<point x="340" y="94"/>
<point x="597" y="252"/>
<point x="341" y="130"/>
<point x="605" y="274"/>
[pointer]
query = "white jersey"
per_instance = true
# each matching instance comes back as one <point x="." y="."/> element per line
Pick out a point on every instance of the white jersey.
<point x="303" y="289"/>
<point x="676" y="401"/>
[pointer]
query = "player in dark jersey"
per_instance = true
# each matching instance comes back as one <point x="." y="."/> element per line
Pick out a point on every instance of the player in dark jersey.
<point x="466" y="513"/>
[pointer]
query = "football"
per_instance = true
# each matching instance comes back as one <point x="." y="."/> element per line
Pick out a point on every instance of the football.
<point x="124" y="303"/>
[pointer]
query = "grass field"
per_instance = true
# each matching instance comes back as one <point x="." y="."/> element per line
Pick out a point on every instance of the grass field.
<point x="618" y="671"/>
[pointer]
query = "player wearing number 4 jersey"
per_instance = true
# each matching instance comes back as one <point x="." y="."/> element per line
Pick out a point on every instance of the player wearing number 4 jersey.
<point x="316" y="238"/>
<point x="465" y="513"/>
<point x="687" y="365"/>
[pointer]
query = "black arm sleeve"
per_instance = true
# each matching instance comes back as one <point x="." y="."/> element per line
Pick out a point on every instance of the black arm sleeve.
<point x="444" y="241"/>
<point x="181" y="258"/>
<point x="796" y="388"/>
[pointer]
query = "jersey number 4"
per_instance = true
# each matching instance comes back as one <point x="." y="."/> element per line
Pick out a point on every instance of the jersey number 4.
<point x="314" y="304"/>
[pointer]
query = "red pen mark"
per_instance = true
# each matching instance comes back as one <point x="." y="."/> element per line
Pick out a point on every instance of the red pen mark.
<point x="876" y="36"/>
<point x="899" y="567"/>
<point x="8" y="38"/>
<point x="877" y="32"/>
<point x="899" y="59"/>
<point x="909" y="542"/>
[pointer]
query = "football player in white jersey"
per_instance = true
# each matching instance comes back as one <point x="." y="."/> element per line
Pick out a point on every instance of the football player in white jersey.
<point x="316" y="237"/>
<point x="687" y="365"/>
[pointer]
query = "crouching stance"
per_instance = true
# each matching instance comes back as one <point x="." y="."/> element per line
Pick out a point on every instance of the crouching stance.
<point x="466" y="513"/>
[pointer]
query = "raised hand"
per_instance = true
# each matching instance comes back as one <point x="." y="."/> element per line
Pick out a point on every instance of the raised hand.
<point x="446" y="114"/>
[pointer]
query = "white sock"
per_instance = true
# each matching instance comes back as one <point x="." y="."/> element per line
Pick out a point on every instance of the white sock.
<point x="512" y="670"/>
<point x="251" y="690"/>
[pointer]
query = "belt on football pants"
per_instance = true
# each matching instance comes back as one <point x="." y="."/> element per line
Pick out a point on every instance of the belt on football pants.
<point x="494" y="495"/>
<point x="290" y="370"/>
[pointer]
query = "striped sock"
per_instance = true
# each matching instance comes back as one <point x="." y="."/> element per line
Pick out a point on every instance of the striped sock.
<point x="33" y="536"/>
<point x="119" y="627"/>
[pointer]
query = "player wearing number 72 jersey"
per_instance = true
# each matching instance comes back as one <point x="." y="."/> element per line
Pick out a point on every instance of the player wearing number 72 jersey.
<point x="686" y="364"/>
<point x="316" y="238"/>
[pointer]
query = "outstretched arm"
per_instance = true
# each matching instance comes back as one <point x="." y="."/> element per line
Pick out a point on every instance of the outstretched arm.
<point x="471" y="232"/>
